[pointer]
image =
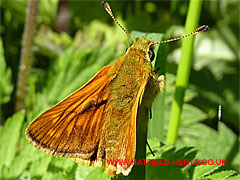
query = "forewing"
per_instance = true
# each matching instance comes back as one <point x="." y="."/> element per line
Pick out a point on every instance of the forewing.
<point x="72" y="127"/>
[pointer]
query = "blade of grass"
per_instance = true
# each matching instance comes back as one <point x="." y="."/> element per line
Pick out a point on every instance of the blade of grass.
<point x="183" y="71"/>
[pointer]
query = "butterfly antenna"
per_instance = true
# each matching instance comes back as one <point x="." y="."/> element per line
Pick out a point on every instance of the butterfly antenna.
<point x="200" y="29"/>
<point x="108" y="9"/>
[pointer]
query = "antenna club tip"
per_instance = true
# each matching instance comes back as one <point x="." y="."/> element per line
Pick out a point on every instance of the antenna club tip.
<point x="205" y="27"/>
<point x="202" y="28"/>
<point x="106" y="5"/>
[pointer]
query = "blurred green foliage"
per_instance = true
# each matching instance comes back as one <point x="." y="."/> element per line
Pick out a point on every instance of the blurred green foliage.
<point x="64" y="62"/>
<point x="6" y="88"/>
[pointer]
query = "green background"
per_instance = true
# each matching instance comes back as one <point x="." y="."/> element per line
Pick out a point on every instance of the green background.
<point x="63" y="62"/>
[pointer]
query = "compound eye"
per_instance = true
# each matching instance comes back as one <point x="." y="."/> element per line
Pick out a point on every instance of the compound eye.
<point x="126" y="50"/>
<point x="151" y="54"/>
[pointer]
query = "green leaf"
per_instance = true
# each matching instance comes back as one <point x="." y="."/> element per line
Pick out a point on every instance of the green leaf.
<point x="48" y="11"/>
<point x="235" y="177"/>
<point x="50" y="43"/>
<point x="51" y="176"/>
<point x="221" y="144"/>
<point x="9" y="138"/>
<point x="164" y="172"/>
<point x="39" y="167"/>
<point x="203" y="170"/>
<point x="191" y="114"/>
<point x="221" y="175"/>
<point x="66" y="164"/>
<point x="170" y="171"/>
<point x="6" y="87"/>
<point x="27" y="154"/>
<point x="89" y="173"/>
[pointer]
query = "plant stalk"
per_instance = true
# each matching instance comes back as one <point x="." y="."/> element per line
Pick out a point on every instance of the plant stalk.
<point x="183" y="71"/>
<point x="26" y="54"/>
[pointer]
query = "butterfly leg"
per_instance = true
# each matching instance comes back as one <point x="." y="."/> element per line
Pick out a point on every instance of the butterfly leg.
<point x="150" y="113"/>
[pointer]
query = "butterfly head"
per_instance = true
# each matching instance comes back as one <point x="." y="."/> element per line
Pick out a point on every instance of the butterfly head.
<point x="142" y="46"/>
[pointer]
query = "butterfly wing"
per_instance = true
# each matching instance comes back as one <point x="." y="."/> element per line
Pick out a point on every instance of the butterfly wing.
<point x="72" y="127"/>
<point x="98" y="121"/>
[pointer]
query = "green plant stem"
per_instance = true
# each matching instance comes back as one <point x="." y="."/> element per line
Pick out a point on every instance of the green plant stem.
<point x="26" y="54"/>
<point x="183" y="71"/>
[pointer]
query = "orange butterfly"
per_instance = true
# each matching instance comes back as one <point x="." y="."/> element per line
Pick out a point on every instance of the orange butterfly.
<point x="98" y="121"/>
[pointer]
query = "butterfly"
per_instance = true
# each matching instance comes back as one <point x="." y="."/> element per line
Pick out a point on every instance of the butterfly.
<point x="98" y="122"/>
